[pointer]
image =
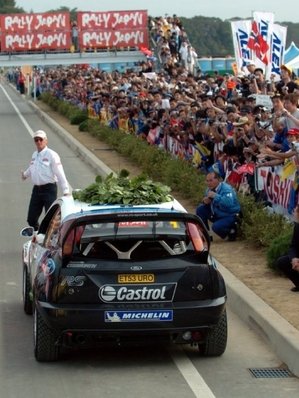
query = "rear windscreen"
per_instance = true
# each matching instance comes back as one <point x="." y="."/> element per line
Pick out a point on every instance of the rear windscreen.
<point x="136" y="240"/>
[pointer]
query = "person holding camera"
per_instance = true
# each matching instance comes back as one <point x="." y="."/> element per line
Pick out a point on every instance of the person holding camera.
<point x="220" y="206"/>
<point x="286" y="85"/>
<point x="289" y="264"/>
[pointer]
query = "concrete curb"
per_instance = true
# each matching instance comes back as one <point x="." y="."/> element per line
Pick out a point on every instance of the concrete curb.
<point x="282" y="337"/>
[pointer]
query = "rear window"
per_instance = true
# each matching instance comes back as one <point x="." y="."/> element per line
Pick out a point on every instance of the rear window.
<point x="135" y="240"/>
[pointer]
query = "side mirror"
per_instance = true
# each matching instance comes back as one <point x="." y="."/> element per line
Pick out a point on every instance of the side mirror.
<point x="27" y="231"/>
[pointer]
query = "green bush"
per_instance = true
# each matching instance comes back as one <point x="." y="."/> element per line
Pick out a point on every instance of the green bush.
<point x="278" y="247"/>
<point x="77" y="117"/>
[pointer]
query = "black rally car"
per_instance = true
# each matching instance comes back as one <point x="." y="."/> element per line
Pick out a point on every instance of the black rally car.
<point x="115" y="273"/>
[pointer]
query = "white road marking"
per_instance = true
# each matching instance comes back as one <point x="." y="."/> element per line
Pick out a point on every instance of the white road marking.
<point x="191" y="375"/>
<point x="23" y="120"/>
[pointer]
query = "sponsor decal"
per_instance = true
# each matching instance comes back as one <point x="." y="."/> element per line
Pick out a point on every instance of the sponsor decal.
<point x="81" y="264"/>
<point x="73" y="280"/>
<point x="135" y="278"/>
<point x="136" y="224"/>
<point x="48" y="266"/>
<point x="159" y="292"/>
<point x="139" y="316"/>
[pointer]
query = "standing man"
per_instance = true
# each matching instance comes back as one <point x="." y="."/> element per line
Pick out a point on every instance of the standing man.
<point x="289" y="264"/>
<point x="220" y="205"/>
<point x="45" y="170"/>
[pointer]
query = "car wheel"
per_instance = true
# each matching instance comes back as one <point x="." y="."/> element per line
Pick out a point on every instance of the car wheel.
<point x="215" y="343"/>
<point x="45" y="340"/>
<point x="27" y="300"/>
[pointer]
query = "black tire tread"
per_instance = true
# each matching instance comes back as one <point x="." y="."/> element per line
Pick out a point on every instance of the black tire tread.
<point x="27" y="302"/>
<point x="216" y="340"/>
<point x="45" y="344"/>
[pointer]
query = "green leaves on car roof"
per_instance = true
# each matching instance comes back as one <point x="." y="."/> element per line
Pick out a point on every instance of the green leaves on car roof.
<point x="121" y="189"/>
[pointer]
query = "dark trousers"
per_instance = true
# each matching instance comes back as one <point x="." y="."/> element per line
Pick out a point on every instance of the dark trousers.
<point x="221" y="226"/>
<point x="285" y="266"/>
<point x="41" y="198"/>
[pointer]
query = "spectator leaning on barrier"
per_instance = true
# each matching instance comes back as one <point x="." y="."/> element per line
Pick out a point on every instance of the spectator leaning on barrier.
<point x="220" y="206"/>
<point x="289" y="264"/>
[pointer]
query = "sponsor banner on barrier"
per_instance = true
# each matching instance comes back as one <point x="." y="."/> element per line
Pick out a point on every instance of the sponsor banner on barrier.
<point x="139" y="316"/>
<point x="278" y="188"/>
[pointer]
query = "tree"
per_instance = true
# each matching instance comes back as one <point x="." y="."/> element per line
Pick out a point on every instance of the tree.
<point x="9" y="7"/>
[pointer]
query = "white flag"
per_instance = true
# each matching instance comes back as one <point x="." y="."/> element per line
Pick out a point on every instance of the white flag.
<point x="241" y="31"/>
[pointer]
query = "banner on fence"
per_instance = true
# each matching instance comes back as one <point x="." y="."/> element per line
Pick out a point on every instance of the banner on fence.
<point x="26" y="32"/>
<point x="112" y="29"/>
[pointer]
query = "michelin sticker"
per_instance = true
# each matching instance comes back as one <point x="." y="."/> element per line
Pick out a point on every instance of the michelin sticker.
<point x="139" y="316"/>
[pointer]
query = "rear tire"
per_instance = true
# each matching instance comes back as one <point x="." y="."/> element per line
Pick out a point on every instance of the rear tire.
<point x="45" y="340"/>
<point x="216" y="341"/>
<point x="27" y="300"/>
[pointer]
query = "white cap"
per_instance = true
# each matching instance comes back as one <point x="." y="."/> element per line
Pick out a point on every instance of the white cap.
<point x="40" y="134"/>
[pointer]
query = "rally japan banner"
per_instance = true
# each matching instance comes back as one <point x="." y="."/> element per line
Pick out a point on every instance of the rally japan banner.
<point x="280" y="186"/>
<point x="35" y="31"/>
<point x="113" y="29"/>
<point x="260" y="40"/>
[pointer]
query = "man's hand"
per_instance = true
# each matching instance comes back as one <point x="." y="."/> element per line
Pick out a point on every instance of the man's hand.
<point x="296" y="214"/>
<point x="211" y="194"/>
<point x="206" y="200"/>
<point x="295" y="264"/>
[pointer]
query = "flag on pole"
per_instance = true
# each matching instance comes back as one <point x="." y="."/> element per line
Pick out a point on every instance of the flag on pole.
<point x="258" y="44"/>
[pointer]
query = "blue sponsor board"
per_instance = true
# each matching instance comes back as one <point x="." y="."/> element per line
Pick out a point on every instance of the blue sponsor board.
<point x="139" y="316"/>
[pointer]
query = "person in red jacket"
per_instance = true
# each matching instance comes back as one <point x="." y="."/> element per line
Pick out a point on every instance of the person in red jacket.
<point x="289" y="264"/>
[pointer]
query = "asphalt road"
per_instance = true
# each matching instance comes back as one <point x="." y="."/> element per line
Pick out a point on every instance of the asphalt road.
<point x="132" y="372"/>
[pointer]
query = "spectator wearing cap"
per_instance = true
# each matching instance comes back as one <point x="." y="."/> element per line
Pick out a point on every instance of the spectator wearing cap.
<point x="286" y="85"/>
<point x="45" y="170"/>
<point x="242" y="133"/>
<point x="249" y="68"/>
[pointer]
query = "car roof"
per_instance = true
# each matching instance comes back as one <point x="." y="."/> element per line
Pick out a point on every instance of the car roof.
<point x="71" y="208"/>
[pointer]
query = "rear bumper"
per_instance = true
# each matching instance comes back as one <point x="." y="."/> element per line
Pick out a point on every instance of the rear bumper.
<point x="119" y="319"/>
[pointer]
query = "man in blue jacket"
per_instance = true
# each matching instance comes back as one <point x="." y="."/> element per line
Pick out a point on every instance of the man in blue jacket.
<point x="221" y="206"/>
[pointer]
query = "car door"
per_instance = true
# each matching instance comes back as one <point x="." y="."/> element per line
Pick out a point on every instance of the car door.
<point x="43" y="245"/>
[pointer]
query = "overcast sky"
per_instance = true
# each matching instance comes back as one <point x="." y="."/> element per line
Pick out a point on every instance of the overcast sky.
<point x="284" y="10"/>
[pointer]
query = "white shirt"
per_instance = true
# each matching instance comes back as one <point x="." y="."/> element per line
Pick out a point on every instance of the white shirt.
<point x="46" y="168"/>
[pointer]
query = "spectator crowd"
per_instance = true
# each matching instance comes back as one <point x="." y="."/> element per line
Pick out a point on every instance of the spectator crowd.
<point x="231" y="124"/>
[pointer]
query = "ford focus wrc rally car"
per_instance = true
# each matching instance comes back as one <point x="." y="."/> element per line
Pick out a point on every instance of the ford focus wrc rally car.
<point x="94" y="274"/>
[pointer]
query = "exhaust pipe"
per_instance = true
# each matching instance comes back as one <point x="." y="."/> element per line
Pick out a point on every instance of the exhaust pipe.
<point x="80" y="339"/>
